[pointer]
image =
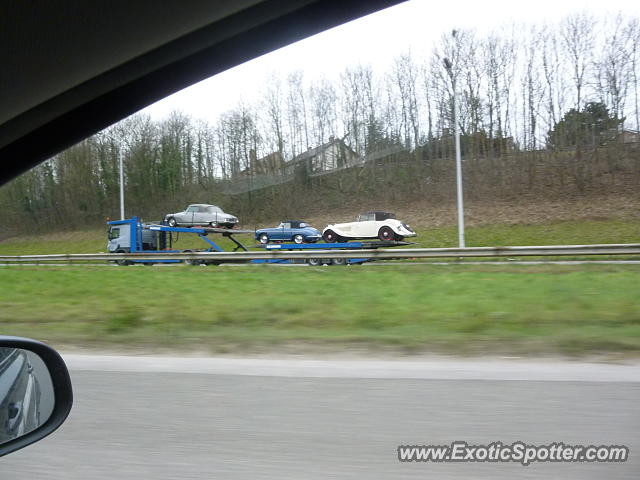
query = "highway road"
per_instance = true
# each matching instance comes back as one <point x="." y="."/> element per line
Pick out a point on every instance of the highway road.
<point x="189" y="418"/>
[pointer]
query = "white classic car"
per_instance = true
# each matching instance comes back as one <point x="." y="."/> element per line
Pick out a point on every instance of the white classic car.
<point x="382" y="225"/>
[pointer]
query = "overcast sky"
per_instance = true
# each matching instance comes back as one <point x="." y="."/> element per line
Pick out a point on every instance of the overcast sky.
<point x="376" y="39"/>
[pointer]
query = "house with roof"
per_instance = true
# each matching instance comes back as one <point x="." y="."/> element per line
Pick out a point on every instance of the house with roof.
<point x="267" y="165"/>
<point x="629" y="136"/>
<point x="273" y="170"/>
<point x="330" y="156"/>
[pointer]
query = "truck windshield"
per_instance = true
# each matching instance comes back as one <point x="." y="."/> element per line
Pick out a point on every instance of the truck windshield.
<point x="114" y="233"/>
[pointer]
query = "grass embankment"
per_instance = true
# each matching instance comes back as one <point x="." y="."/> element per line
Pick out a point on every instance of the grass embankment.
<point x="553" y="233"/>
<point x="471" y="309"/>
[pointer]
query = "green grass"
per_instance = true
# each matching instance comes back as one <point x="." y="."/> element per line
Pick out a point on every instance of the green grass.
<point x="470" y="309"/>
<point x="555" y="233"/>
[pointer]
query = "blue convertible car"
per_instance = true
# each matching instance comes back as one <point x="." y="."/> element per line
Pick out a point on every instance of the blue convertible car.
<point x="289" y="230"/>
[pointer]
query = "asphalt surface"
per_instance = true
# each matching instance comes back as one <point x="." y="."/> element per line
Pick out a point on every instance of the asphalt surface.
<point x="158" y="418"/>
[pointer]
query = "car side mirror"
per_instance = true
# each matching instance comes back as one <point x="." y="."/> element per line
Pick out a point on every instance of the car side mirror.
<point x="35" y="392"/>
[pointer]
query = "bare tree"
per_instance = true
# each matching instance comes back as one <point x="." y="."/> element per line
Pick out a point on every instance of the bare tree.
<point x="357" y="104"/>
<point x="297" y="113"/>
<point x="471" y="88"/>
<point x="533" y="88"/>
<point x="615" y="66"/>
<point x="578" y="35"/>
<point x="405" y="76"/>
<point x="632" y="31"/>
<point x="498" y="61"/>
<point x="429" y="94"/>
<point x="323" y="100"/>
<point x="273" y="103"/>
<point x="553" y="74"/>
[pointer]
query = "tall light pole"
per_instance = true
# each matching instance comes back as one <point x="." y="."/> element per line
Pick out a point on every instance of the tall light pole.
<point x="121" y="188"/>
<point x="449" y="67"/>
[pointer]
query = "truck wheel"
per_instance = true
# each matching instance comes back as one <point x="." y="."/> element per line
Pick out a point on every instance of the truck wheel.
<point x="339" y="261"/>
<point x="264" y="238"/>
<point x="123" y="263"/>
<point x="192" y="262"/>
<point x="172" y="221"/>
<point x="386" y="233"/>
<point x="314" y="262"/>
<point x="330" y="236"/>
<point x="298" y="239"/>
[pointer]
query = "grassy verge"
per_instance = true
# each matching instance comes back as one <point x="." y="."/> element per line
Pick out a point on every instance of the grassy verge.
<point x="471" y="309"/>
<point x="555" y="233"/>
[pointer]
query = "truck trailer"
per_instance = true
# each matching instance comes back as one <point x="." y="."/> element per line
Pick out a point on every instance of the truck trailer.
<point x="135" y="236"/>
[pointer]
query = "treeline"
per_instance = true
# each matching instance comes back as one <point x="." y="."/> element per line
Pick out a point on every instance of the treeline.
<point x="551" y="87"/>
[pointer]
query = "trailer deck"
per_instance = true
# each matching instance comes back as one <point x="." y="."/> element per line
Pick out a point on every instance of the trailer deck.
<point x="202" y="232"/>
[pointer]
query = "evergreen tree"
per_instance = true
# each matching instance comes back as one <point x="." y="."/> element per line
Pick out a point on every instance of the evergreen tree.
<point x="592" y="126"/>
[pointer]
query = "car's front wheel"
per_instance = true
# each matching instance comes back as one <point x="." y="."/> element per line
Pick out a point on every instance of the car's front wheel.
<point x="263" y="238"/>
<point x="386" y="233"/>
<point x="330" y="236"/>
<point x="298" y="238"/>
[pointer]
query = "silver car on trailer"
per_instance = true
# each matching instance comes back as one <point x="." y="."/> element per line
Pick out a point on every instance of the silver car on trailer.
<point x="202" y="214"/>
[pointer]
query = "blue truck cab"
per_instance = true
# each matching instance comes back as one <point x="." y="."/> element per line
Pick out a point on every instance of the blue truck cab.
<point x="134" y="236"/>
<point x="129" y="236"/>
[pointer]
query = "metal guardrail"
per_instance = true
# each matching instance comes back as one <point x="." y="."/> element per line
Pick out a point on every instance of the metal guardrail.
<point x="226" y="257"/>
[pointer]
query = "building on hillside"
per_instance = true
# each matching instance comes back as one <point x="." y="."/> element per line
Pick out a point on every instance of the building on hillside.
<point x="273" y="170"/>
<point x="267" y="165"/>
<point x="629" y="136"/>
<point x="330" y="156"/>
